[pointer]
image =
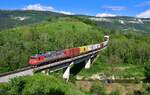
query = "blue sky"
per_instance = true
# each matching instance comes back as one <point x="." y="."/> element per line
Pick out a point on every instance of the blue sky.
<point x="140" y="8"/>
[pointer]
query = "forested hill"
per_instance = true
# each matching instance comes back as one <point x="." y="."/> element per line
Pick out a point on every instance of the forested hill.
<point x="18" y="44"/>
<point x="11" y="19"/>
<point x="123" y="23"/>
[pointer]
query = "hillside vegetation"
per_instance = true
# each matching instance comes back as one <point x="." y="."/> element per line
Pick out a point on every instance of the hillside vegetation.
<point x="123" y="23"/>
<point x="18" y="44"/>
<point x="39" y="85"/>
<point x="12" y="19"/>
<point x="127" y="55"/>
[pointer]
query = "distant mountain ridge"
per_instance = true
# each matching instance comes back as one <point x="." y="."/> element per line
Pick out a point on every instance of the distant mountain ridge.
<point x="11" y="19"/>
<point x="123" y="23"/>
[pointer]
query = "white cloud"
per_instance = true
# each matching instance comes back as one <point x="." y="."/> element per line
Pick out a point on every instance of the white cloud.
<point x="145" y="14"/>
<point x="105" y="15"/>
<point x="114" y="8"/>
<point x="39" y="7"/>
<point x="65" y="12"/>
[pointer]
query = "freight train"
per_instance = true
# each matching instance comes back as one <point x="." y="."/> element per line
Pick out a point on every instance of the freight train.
<point x="40" y="59"/>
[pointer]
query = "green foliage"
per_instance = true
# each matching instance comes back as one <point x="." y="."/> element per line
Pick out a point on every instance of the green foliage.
<point x="144" y="91"/>
<point x="41" y="85"/>
<point x="147" y="73"/>
<point x="115" y="93"/>
<point x="85" y="20"/>
<point x="114" y="23"/>
<point x="97" y="89"/>
<point x="129" y="47"/>
<point x="16" y="86"/>
<point x="4" y="89"/>
<point x="18" y="44"/>
<point x="11" y="19"/>
<point x="126" y="55"/>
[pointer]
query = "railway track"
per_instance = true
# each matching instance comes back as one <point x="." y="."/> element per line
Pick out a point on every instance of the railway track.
<point x="16" y="71"/>
<point x="23" y="72"/>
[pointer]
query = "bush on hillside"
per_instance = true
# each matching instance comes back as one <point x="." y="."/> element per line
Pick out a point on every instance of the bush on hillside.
<point x="41" y="85"/>
<point x="97" y="89"/>
<point x="147" y="73"/>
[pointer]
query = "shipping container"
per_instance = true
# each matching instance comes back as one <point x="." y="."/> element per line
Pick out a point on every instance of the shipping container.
<point x="90" y="47"/>
<point x="83" y="49"/>
<point x="76" y="51"/>
<point x="57" y="55"/>
<point x="94" y="47"/>
<point x="98" y="46"/>
<point x="71" y="52"/>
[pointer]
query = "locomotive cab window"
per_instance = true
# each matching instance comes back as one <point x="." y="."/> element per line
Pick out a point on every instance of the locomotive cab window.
<point x="32" y="57"/>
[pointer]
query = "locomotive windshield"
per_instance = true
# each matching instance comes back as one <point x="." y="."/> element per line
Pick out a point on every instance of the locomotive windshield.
<point x="33" y="57"/>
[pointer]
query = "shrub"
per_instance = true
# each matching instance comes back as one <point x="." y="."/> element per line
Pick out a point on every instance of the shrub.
<point x="40" y="85"/>
<point x="147" y="73"/>
<point x="98" y="89"/>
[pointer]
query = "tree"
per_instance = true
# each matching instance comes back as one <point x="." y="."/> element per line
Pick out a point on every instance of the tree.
<point x="147" y="73"/>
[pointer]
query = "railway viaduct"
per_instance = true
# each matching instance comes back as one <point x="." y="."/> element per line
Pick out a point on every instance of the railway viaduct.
<point x="80" y="61"/>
